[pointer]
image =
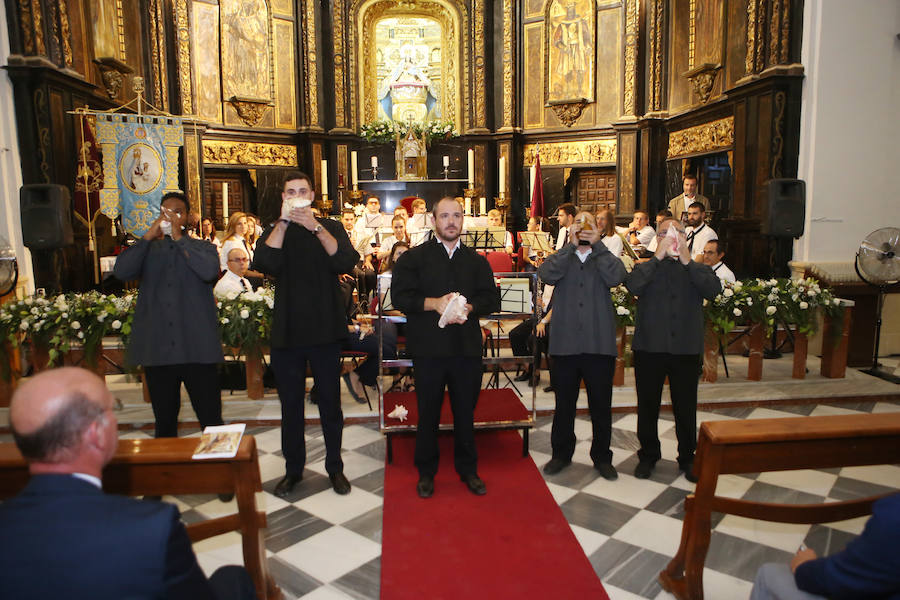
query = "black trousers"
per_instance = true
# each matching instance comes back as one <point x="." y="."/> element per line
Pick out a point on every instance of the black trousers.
<point x="650" y="372"/>
<point x="202" y="384"/>
<point x="597" y="372"/>
<point x="522" y="339"/>
<point x="232" y="582"/>
<point x="289" y="365"/>
<point x="461" y="375"/>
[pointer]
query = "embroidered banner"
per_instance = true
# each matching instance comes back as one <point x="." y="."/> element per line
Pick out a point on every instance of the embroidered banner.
<point x="140" y="164"/>
<point x="88" y="179"/>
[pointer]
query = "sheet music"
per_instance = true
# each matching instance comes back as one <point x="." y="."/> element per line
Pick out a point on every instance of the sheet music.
<point x="538" y="241"/>
<point x="374" y="221"/>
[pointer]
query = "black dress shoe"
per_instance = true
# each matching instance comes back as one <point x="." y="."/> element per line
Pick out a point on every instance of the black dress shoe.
<point x="475" y="484"/>
<point x="548" y="389"/>
<point x="525" y="376"/>
<point x="607" y="471"/>
<point x="153" y="498"/>
<point x="339" y="483"/>
<point x="644" y="469"/>
<point x="425" y="487"/>
<point x="226" y="497"/>
<point x="555" y="466"/>
<point x="286" y="485"/>
<point x="688" y="470"/>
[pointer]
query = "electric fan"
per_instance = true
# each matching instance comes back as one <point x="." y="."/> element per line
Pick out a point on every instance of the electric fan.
<point x="9" y="268"/>
<point x="878" y="258"/>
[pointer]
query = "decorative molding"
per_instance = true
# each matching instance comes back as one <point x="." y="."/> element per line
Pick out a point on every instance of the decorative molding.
<point x="310" y="64"/>
<point x="249" y="110"/>
<point x="112" y="74"/>
<point x="37" y="23"/>
<point x="158" y="54"/>
<point x="657" y="17"/>
<point x="786" y="32"/>
<point x="479" y="60"/>
<point x="760" y="28"/>
<point x="43" y="130"/>
<point x="715" y="135"/>
<point x="509" y="65"/>
<point x="602" y="151"/>
<point x="569" y="112"/>
<point x="65" y="33"/>
<point x="703" y="79"/>
<point x="183" y="50"/>
<point x="218" y="152"/>
<point x="778" y="135"/>
<point x="692" y="33"/>
<point x="750" y="61"/>
<point x="775" y="32"/>
<point x="340" y="83"/>
<point x="632" y="12"/>
<point x="25" y="26"/>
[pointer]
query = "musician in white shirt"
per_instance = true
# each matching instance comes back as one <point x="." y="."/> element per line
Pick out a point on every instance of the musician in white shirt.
<point x="566" y="216"/>
<point x="640" y="234"/>
<point x="698" y="233"/>
<point x="233" y="280"/>
<point x="713" y="253"/>
<point x="606" y="222"/>
<point x="495" y="219"/>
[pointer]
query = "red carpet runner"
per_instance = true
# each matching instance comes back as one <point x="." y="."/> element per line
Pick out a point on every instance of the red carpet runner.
<point x="512" y="543"/>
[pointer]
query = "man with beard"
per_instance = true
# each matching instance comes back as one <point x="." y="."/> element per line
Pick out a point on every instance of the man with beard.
<point x="424" y="281"/>
<point x="698" y="233"/>
<point x="679" y="205"/>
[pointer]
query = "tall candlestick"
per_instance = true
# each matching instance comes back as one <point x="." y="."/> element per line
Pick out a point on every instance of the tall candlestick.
<point x="354" y="176"/>
<point x="482" y="205"/>
<point x="532" y="173"/>
<point x="375" y="162"/>
<point x="446" y="161"/>
<point x="224" y="203"/>
<point x="502" y="186"/>
<point x="324" y="177"/>
<point x="471" y="165"/>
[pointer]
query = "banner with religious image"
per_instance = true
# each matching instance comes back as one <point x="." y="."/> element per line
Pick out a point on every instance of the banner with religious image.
<point x="140" y="164"/>
<point x="89" y="177"/>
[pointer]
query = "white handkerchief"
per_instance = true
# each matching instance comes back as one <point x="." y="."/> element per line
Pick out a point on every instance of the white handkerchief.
<point x="455" y="310"/>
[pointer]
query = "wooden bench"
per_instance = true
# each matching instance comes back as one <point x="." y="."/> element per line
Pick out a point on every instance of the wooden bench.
<point x="156" y="467"/>
<point x="758" y="445"/>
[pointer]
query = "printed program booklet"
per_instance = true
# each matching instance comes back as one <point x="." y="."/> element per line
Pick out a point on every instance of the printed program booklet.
<point x="220" y="441"/>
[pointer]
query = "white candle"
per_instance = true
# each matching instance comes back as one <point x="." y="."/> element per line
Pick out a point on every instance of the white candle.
<point x="354" y="177"/>
<point x="224" y="203"/>
<point x="482" y="205"/>
<point x="471" y="161"/>
<point x="374" y="162"/>
<point x="502" y="185"/>
<point x="324" y="177"/>
<point x="532" y="173"/>
<point x="446" y="161"/>
<point x="468" y="206"/>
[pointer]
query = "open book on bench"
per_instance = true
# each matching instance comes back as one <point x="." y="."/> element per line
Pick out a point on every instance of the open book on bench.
<point x="220" y="441"/>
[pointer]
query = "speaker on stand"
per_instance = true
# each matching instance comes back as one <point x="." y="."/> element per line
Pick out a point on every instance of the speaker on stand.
<point x="46" y="213"/>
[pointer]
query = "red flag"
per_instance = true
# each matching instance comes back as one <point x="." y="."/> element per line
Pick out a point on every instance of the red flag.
<point x="537" y="190"/>
<point x="89" y="177"/>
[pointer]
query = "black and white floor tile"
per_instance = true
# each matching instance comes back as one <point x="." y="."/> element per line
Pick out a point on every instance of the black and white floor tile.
<point x="327" y="547"/>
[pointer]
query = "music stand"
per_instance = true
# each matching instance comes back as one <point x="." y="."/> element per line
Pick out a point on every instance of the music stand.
<point x="485" y="238"/>
<point x="629" y="249"/>
<point x="539" y="241"/>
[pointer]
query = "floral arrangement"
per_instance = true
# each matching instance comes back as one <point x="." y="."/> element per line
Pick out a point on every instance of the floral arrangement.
<point x="439" y="130"/>
<point x="801" y="300"/>
<point x="245" y="320"/>
<point x="378" y="132"/>
<point x="624" y="305"/>
<point x="385" y="131"/>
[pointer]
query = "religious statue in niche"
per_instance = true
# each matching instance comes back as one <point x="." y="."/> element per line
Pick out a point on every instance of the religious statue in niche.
<point x="411" y="156"/>
<point x="245" y="49"/>
<point x="571" y="25"/>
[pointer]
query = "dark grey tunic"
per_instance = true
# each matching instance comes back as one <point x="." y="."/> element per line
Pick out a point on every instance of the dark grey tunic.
<point x="175" y="321"/>
<point x="670" y="305"/>
<point x="583" y="320"/>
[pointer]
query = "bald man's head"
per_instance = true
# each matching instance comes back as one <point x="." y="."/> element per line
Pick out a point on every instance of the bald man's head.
<point x="50" y="414"/>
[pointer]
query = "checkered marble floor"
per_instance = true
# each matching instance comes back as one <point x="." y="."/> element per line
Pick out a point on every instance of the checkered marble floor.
<point x="323" y="546"/>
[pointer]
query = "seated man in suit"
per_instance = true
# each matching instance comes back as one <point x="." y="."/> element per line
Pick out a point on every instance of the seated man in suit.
<point x="63" y="537"/>
<point x="233" y="280"/>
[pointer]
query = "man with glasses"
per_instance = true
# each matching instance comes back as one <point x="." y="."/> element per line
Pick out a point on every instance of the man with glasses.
<point x="668" y="342"/>
<point x="175" y="335"/>
<point x="713" y="253"/>
<point x="233" y="280"/>
<point x="306" y="255"/>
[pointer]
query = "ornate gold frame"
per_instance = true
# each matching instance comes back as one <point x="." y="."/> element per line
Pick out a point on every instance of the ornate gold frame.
<point x="708" y="137"/>
<point x="452" y="17"/>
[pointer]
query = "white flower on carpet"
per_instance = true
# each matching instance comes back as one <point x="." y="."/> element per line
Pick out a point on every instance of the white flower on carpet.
<point x="399" y="412"/>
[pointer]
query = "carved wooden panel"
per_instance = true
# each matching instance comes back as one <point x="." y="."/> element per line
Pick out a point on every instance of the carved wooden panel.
<point x="212" y="196"/>
<point x="594" y="189"/>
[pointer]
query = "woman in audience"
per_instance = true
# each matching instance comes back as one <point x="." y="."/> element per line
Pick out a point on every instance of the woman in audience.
<point x="398" y="224"/>
<point x="252" y="232"/>
<point x="606" y="221"/>
<point x="533" y="258"/>
<point x="235" y="237"/>
<point x="208" y="232"/>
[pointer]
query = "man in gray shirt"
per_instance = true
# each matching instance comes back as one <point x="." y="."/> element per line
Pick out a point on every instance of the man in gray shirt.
<point x="668" y="342"/>
<point x="583" y="344"/>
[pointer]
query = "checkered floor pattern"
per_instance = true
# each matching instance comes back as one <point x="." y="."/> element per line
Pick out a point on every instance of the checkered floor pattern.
<point x="323" y="546"/>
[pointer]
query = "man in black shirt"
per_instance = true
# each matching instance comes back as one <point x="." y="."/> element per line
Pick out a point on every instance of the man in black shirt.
<point x="306" y="255"/>
<point x="424" y="281"/>
<point x="668" y="342"/>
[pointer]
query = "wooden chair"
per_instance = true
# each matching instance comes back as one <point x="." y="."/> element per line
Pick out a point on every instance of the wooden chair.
<point x="164" y="466"/>
<point x="759" y="445"/>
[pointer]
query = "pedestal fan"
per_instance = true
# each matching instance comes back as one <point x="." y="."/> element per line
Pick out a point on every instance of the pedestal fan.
<point x="9" y="268"/>
<point x="879" y="258"/>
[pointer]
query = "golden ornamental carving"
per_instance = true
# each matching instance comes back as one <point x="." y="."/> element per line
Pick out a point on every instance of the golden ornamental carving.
<point x="568" y="112"/>
<point x="751" y="37"/>
<point x="631" y="49"/>
<point x="37" y="23"/>
<point x="775" y="32"/>
<point x="362" y="60"/>
<point x="692" y="33"/>
<point x="183" y="50"/>
<point x="480" y="89"/>
<point x="340" y="113"/>
<point x="310" y="65"/>
<point x="158" y="55"/>
<point x="786" y="33"/>
<point x="703" y="79"/>
<point x="657" y="16"/>
<point x="66" y="34"/>
<point x="715" y="135"/>
<point x="25" y="26"/>
<point x="249" y="111"/>
<point x="509" y="88"/>
<point x="218" y="152"/>
<point x="602" y="151"/>
<point x="778" y="135"/>
<point x="760" y="28"/>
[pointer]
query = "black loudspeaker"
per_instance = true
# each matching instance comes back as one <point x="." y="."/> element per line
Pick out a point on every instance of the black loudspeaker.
<point x="46" y="216"/>
<point x="787" y="208"/>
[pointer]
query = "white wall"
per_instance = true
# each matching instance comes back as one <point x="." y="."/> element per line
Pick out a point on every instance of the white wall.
<point x="10" y="166"/>
<point x="850" y="125"/>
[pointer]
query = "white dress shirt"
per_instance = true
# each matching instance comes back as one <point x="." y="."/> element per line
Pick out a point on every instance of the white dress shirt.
<point x="562" y="238"/>
<point x="228" y="245"/>
<point x="232" y="282"/>
<point x="645" y="235"/>
<point x="700" y="236"/>
<point x="614" y="244"/>
<point x="723" y="272"/>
